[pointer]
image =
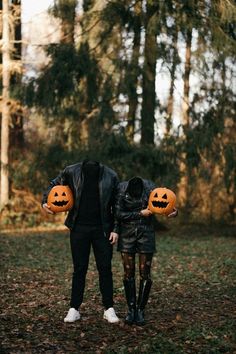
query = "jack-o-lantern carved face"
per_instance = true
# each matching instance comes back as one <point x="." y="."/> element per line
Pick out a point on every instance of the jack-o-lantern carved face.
<point x="60" y="198"/>
<point x="161" y="201"/>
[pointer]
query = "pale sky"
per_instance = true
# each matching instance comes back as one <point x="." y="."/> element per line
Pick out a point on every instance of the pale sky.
<point x="32" y="8"/>
<point x="38" y="29"/>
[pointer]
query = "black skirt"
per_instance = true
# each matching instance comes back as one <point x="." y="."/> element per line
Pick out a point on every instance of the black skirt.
<point x="136" y="238"/>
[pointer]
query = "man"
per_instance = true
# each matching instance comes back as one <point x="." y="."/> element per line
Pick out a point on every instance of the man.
<point x="91" y="223"/>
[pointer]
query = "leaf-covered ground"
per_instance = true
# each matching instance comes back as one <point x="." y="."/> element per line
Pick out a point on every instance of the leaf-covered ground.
<point x="191" y="307"/>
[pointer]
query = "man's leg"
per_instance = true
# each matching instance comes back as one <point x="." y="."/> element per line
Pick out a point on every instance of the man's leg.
<point x="80" y="249"/>
<point x="103" y="256"/>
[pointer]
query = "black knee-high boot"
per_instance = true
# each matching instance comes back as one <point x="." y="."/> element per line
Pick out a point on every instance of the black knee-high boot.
<point x="130" y="293"/>
<point x="144" y="290"/>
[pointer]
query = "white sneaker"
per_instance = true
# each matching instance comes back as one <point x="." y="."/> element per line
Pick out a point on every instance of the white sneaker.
<point x="72" y="315"/>
<point x="110" y="315"/>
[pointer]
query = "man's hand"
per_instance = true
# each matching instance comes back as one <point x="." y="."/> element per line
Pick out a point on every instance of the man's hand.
<point x="173" y="214"/>
<point x="146" y="212"/>
<point x="113" y="237"/>
<point x="46" y="207"/>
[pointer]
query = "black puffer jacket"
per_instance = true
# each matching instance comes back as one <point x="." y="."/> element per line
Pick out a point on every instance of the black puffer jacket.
<point x="108" y="186"/>
<point x="128" y="208"/>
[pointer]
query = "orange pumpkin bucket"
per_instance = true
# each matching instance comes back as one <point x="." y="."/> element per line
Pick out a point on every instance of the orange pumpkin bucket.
<point x="162" y="201"/>
<point x="60" y="198"/>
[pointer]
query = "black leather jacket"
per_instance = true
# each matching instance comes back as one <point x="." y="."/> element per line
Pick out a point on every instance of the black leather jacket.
<point x="128" y="208"/>
<point x="108" y="184"/>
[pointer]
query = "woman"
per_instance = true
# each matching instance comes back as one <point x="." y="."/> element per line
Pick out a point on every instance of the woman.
<point x="136" y="235"/>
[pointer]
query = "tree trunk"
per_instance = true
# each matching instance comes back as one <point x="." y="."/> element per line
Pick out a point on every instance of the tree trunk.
<point x="68" y="20"/>
<point x="183" y="185"/>
<point x="4" y="196"/>
<point x="17" y="118"/>
<point x="149" y="78"/>
<point x="187" y="69"/>
<point x="16" y="9"/>
<point x="133" y="76"/>
<point x="170" y="103"/>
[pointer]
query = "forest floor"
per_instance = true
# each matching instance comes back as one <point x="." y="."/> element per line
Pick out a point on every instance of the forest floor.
<point x="191" y="308"/>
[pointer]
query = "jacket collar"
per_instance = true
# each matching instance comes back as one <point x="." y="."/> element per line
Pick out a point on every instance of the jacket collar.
<point x="101" y="166"/>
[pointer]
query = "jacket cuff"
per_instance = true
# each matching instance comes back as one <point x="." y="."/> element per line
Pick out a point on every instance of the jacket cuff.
<point x="116" y="229"/>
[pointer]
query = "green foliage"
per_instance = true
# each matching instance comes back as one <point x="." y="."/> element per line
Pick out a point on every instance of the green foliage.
<point x="87" y="4"/>
<point x="57" y="91"/>
<point x="64" y="9"/>
<point x="57" y="81"/>
<point x="120" y="12"/>
<point x="46" y="161"/>
<point x="222" y="21"/>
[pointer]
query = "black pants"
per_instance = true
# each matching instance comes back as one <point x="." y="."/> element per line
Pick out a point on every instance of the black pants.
<point x="81" y="241"/>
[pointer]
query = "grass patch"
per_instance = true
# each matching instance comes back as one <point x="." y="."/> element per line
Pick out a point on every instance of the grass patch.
<point x="191" y="307"/>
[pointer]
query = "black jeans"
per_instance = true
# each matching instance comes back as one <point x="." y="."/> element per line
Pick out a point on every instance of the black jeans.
<point x="81" y="241"/>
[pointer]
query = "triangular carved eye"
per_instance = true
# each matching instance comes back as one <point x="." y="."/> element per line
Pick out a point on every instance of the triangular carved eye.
<point x="64" y="194"/>
<point x="164" y="196"/>
<point x="155" y="196"/>
<point x="56" y="194"/>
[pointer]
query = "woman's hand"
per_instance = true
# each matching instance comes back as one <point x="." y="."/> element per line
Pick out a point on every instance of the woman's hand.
<point x="173" y="214"/>
<point x="146" y="212"/>
<point x="46" y="207"/>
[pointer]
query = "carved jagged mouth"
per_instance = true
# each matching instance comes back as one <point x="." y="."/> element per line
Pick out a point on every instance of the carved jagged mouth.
<point x="61" y="203"/>
<point x="159" y="204"/>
